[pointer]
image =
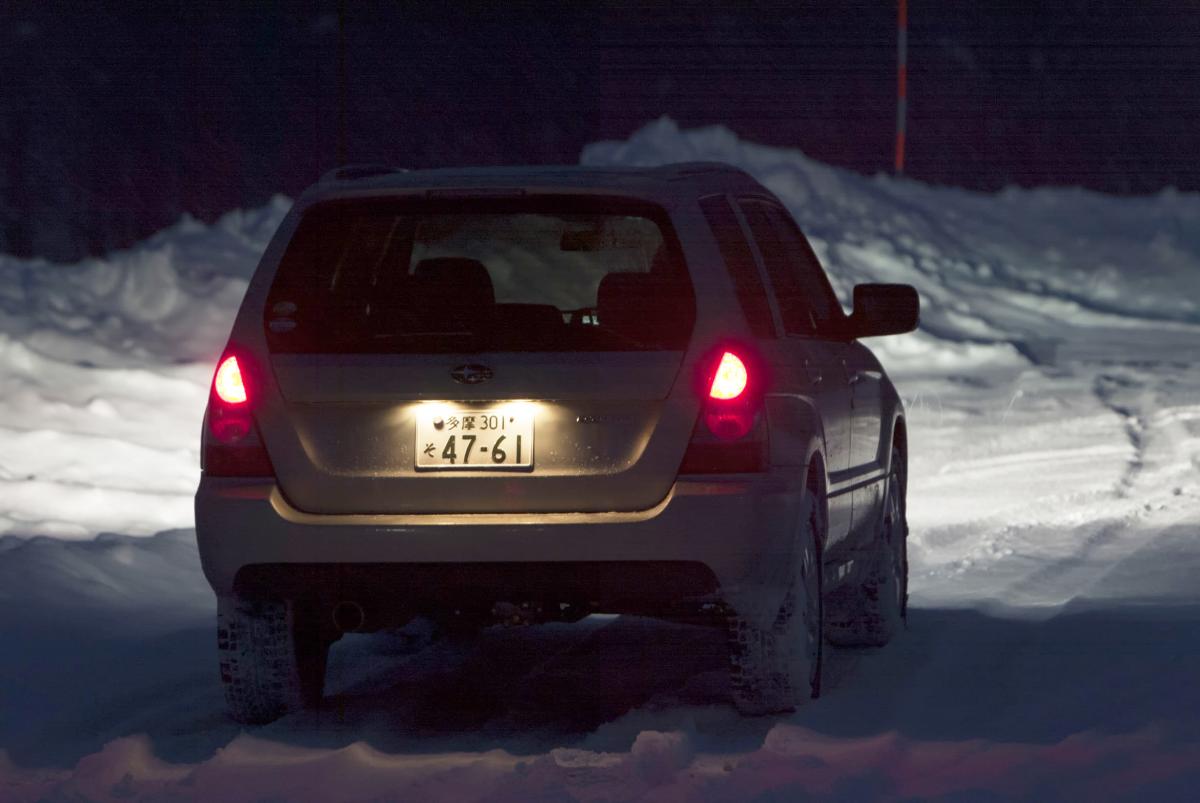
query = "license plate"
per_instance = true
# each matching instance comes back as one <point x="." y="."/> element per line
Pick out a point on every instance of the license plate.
<point x="474" y="439"/>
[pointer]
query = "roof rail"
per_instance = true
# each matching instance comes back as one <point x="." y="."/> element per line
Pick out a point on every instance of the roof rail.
<point x="356" y="171"/>
<point x="698" y="168"/>
<point x="681" y="171"/>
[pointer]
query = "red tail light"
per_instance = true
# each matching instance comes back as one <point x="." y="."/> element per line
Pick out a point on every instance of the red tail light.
<point x="732" y="437"/>
<point x="231" y="446"/>
<point x="730" y="379"/>
<point x="228" y="384"/>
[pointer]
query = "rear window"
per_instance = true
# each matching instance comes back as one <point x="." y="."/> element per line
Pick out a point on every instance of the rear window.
<point x="438" y="276"/>
<point x="735" y="250"/>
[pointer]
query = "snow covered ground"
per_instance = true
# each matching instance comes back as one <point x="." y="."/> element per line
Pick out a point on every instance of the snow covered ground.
<point x="1054" y="644"/>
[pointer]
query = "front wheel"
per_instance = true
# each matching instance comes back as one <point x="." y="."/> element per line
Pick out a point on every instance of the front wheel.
<point x="871" y="613"/>
<point x="272" y="658"/>
<point x="776" y="669"/>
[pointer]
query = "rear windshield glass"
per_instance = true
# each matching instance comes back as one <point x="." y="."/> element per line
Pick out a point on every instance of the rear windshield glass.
<point x="430" y="276"/>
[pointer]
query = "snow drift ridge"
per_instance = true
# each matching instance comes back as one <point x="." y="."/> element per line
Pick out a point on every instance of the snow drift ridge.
<point x="104" y="364"/>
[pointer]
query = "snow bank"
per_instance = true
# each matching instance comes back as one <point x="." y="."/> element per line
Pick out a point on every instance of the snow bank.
<point x="1053" y="643"/>
<point x="103" y="585"/>
<point x="989" y="267"/>
<point x="793" y="763"/>
<point x="104" y="370"/>
<point x="104" y="365"/>
<point x="169" y="299"/>
<point x="1002" y="278"/>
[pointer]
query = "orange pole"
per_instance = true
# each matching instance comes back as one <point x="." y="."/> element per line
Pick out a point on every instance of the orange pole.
<point x="901" y="82"/>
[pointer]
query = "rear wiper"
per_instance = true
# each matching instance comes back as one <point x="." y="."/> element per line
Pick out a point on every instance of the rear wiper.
<point x="416" y="335"/>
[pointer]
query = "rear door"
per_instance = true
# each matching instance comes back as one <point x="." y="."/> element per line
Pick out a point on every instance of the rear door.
<point x="866" y="394"/>
<point x="809" y="315"/>
<point x="811" y="318"/>
<point x="479" y="356"/>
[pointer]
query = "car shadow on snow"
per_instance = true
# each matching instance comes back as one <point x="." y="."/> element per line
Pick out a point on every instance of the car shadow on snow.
<point x="522" y="689"/>
<point x="74" y="680"/>
<point x="954" y="675"/>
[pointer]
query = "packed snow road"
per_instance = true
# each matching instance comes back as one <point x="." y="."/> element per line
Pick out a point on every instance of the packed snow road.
<point x="1054" y="635"/>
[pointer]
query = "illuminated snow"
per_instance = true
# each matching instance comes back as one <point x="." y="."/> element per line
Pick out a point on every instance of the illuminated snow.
<point x="1055" y="635"/>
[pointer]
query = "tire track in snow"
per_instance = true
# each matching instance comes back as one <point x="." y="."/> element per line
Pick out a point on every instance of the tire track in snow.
<point x="1133" y="393"/>
<point x="1080" y="569"/>
<point x="1076" y="564"/>
<point x="1108" y="387"/>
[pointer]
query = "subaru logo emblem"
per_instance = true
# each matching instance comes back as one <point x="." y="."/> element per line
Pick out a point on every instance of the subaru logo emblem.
<point x="471" y="374"/>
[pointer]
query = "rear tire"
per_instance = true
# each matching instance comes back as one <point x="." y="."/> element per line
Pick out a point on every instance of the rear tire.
<point x="873" y="612"/>
<point x="777" y="669"/>
<point x="272" y="658"/>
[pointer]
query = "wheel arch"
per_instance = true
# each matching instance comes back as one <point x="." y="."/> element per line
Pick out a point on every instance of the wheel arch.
<point x="816" y="481"/>
<point x="796" y="432"/>
<point x="899" y="440"/>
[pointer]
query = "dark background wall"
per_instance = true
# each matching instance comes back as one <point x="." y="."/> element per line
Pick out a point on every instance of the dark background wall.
<point x="116" y="117"/>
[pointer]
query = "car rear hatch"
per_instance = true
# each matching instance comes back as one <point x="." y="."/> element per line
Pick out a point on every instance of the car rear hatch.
<point x="479" y="355"/>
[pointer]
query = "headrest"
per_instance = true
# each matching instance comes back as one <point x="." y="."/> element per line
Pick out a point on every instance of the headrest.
<point x="629" y="303"/>
<point x="466" y="279"/>
<point x="526" y="326"/>
<point x="528" y="317"/>
<point x="449" y="294"/>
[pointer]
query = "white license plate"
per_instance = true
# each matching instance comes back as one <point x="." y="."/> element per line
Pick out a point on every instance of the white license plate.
<point x="463" y="438"/>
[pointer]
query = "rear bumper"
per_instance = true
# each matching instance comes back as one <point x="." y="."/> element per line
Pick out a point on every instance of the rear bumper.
<point x="391" y="593"/>
<point x="727" y="537"/>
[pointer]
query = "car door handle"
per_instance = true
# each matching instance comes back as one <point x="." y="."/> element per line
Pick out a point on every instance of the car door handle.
<point x="862" y="376"/>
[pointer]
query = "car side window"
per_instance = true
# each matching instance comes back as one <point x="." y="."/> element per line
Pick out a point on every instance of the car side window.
<point x="807" y="302"/>
<point x="735" y="249"/>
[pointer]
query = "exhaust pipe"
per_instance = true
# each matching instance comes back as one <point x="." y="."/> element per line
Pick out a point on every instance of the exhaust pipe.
<point x="348" y="616"/>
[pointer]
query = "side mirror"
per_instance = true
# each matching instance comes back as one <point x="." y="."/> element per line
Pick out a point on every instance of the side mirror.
<point x="884" y="309"/>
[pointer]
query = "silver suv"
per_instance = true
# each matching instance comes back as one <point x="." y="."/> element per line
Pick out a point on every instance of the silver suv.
<point x="525" y="394"/>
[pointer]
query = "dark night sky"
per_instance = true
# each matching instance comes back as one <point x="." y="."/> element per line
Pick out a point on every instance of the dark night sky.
<point x="115" y="117"/>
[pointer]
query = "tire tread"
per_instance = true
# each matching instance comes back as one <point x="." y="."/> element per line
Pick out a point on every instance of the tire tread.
<point x="261" y="666"/>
